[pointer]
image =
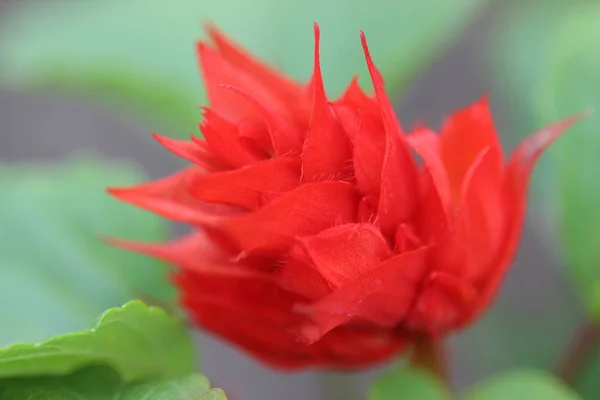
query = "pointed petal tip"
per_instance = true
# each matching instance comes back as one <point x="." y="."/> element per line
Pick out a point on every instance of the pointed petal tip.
<point x="163" y="140"/>
<point x="111" y="241"/>
<point x="117" y="192"/>
<point x="210" y="27"/>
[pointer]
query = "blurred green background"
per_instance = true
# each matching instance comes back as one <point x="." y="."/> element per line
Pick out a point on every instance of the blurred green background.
<point x="84" y="83"/>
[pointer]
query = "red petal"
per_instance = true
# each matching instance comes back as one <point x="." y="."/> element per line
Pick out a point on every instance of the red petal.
<point x="248" y="187"/>
<point x="258" y="132"/>
<point x="518" y="172"/>
<point x="464" y="135"/>
<point x="427" y="144"/>
<point x="326" y="154"/>
<point x="191" y="152"/>
<point x="306" y="210"/>
<point x="285" y="137"/>
<point x="298" y="275"/>
<point x="440" y="304"/>
<point x="369" y="152"/>
<point x="286" y="90"/>
<point x="359" y="100"/>
<point x="365" y="131"/>
<point x="398" y="193"/>
<point x="433" y="219"/>
<point x="289" y="95"/>
<point x="218" y="71"/>
<point x="342" y="253"/>
<point x="484" y="210"/>
<point x="381" y="295"/>
<point x="170" y="198"/>
<point x="224" y="142"/>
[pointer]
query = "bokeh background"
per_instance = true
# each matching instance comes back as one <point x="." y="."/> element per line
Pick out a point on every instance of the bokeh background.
<point x="83" y="83"/>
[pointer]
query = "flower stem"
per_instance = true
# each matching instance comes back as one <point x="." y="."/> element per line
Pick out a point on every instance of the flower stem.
<point x="430" y="354"/>
<point x="580" y="352"/>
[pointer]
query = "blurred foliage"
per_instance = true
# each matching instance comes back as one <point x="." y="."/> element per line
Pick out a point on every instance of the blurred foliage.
<point x="138" y="57"/>
<point x="103" y="383"/>
<point x="56" y="273"/>
<point x="404" y="383"/>
<point x="132" y="352"/>
<point x="530" y="385"/>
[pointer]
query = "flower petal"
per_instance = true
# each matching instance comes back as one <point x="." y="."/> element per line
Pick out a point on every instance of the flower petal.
<point x="342" y="253"/>
<point x="440" y="304"/>
<point x="326" y="154"/>
<point x="464" y="135"/>
<point x="286" y="138"/>
<point x="306" y="210"/>
<point x="286" y="90"/>
<point x="382" y="295"/>
<point x="192" y="152"/>
<point x="427" y="144"/>
<point x="170" y="198"/>
<point x="357" y="99"/>
<point x="484" y="211"/>
<point x="398" y="194"/>
<point x="519" y="169"/>
<point x="298" y="275"/>
<point x="248" y="187"/>
<point x="223" y="140"/>
<point x="289" y="94"/>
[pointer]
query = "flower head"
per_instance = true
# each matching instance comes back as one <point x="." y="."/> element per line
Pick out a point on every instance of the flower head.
<point x="319" y="239"/>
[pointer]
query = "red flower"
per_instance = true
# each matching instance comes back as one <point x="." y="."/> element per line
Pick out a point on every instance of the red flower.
<point x="314" y="220"/>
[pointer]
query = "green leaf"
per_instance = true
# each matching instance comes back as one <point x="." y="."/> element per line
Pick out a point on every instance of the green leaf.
<point x="138" y="57"/>
<point x="104" y="383"/>
<point x="530" y="385"/>
<point x="403" y="383"/>
<point x="56" y="271"/>
<point x="138" y="341"/>
<point x="571" y="84"/>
